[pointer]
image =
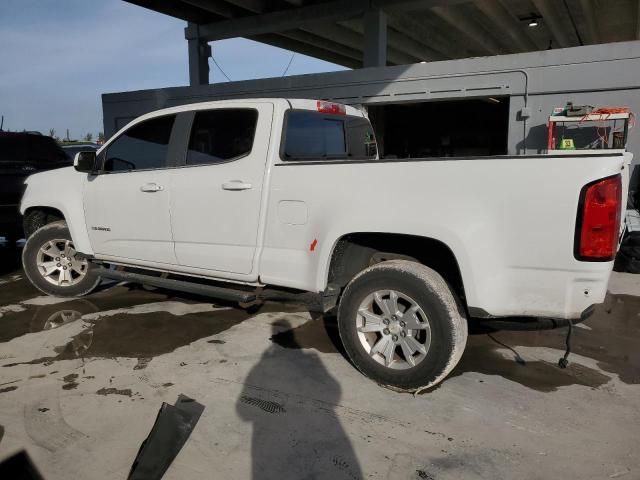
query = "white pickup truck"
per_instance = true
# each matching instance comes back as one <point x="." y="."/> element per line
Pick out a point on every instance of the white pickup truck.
<point x="236" y="199"/>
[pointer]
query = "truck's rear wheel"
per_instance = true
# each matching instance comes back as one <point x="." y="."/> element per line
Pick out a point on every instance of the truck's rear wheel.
<point x="53" y="266"/>
<point x="401" y="325"/>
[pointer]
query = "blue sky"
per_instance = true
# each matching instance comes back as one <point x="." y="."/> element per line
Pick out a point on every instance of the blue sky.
<point x="58" y="57"/>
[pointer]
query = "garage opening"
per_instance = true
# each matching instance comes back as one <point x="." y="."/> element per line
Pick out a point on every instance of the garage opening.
<point x="459" y="128"/>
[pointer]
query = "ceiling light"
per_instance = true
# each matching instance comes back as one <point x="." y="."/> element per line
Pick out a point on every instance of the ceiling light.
<point x="533" y="19"/>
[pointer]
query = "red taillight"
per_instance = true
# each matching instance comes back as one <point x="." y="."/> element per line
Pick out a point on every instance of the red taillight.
<point x="332" y="108"/>
<point x="598" y="226"/>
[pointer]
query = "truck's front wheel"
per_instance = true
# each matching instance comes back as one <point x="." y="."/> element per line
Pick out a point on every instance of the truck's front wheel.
<point x="401" y="325"/>
<point x="53" y="266"/>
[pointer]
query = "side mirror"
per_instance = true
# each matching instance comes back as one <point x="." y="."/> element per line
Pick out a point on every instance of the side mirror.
<point x="86" y="162"/>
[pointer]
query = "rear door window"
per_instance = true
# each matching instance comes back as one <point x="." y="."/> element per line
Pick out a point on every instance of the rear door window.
<point x="142" y="147"/>
<point x="221" y="135"/>
<point x="311" y="136"/>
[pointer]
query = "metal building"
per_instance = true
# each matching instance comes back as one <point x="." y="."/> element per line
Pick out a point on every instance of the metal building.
<point x="457" y="103"/>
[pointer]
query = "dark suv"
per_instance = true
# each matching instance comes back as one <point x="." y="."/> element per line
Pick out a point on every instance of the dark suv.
<point x="22" y="154"/>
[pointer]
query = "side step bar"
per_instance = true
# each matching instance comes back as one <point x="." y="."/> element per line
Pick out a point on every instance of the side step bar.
<point x="231" y="294"/>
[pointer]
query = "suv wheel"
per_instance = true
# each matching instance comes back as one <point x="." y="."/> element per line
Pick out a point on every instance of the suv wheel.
<point x="53" y="266"/>
<point x="401" y="325"/>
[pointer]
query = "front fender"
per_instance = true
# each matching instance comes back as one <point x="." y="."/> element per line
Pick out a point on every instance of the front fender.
<point x="60" y="189"/>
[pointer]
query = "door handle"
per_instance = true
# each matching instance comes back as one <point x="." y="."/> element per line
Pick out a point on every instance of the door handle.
<point x="236" y="185"/>
<point x="151" y="187"/>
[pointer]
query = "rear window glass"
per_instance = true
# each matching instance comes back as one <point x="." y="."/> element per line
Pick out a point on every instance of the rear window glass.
<point x="311" y="135"/>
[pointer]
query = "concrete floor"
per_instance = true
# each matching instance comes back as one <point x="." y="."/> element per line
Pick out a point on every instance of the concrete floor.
<point x="81" y="382"/>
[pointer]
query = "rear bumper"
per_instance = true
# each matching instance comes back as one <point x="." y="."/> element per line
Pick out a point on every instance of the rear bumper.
<point x="544" y="293"/>
<point x="484" y="321"/>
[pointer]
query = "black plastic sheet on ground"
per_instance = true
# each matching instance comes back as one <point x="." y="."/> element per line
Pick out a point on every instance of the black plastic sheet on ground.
<point x="170" y="432"/>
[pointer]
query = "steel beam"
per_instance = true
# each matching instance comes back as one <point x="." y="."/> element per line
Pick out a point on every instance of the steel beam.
<point x="219" y="8"/>
<point x="550" y="16"/>
<point x="502" y="19"/>
<point x="413" y="5"/>
<point x="351" y="33"/>
<point x="638" y="23"/>
<point x="199" y="53"/>
<point x="375" y="39"/>
<point x="426" y="36"/>
<point x="282" y="20"/>
<point x="588" y="11"/>
<point x="400" y="45"/>
<point x="352" y="36"/>
<point x="323" y="43"/>
<point x="467" y="27"/>
<point x="306" y="49"/>
<point x="337" y="40"/>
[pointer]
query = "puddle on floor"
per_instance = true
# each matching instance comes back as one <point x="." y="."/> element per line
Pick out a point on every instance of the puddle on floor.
<point x="34" y="318"/>
<point x="611" y="339"/>
<point x="142" y="335"/>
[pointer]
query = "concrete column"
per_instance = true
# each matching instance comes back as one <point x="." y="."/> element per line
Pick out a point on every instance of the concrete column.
<point x="375" y="38"/>
<point x="199" y="53"/>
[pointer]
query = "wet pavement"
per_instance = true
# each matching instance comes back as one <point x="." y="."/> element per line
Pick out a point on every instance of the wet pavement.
<point x="81" y="381"/>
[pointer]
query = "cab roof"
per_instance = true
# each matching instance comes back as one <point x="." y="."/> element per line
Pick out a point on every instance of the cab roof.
<point x="287" y="103"/>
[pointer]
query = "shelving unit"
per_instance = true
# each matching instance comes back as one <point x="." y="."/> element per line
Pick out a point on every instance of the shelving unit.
<point x="594" y="131"/>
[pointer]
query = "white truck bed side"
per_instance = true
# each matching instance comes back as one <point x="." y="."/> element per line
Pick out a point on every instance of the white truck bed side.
<point x="509" y="221"/>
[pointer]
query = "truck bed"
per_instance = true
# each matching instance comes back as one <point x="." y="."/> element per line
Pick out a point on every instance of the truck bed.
<point x="510" y="221"/>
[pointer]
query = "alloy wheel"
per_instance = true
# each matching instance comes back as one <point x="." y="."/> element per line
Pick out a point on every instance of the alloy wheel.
<point x="393" y="329"/>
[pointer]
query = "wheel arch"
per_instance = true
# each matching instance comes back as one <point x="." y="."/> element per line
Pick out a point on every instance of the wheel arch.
<point x="353" y="252"/>
<point x="37" y="215"/>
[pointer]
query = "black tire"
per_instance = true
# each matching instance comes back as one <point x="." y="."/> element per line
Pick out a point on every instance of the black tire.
<point x="432" y="294"/>
<point x="54" y="231"/>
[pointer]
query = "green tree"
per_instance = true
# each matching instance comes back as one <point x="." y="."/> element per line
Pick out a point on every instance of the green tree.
<point x="52" y="132"/>
<point x="100" y="137"/>
<point x="88" y="137"/>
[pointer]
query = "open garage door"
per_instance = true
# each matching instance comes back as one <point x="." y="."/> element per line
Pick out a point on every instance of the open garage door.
<point x="457" y="128"/>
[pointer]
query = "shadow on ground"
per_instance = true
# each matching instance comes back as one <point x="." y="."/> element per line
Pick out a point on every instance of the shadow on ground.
<point x="287" y="442"/>
<point x="611" y="335"/>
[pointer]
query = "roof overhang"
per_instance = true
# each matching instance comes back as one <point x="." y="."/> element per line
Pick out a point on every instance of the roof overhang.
<point x="417" y="30"/>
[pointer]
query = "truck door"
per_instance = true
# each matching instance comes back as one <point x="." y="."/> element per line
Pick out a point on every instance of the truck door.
<point x="127" y="206"/>
<point x="216" y="195"/>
